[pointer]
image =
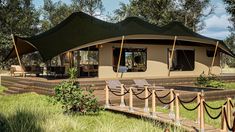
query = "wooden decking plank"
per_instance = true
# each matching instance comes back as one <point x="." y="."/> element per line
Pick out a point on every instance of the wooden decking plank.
<point x="186" y="124"/>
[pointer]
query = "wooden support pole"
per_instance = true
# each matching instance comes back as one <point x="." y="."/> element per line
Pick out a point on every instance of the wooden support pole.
<point x="131" y="100"/>
<point x="17" y="53"/>
<point x="106" y="97"/>
<point x="213" y="59"/>
<point x="171" y="98"/>
<point x="229" y="111"/>
<point x="177" y="109"/>
<point x="202" y="120"/>
<point x="199" y="107"/>
<point x="153" y="103"/>
<point x="146" y="101"/>
<point x="120" y="55"/>
<point x="122" y="104"/>
<point x="223" y="121"/>
<point x="171" y="57"/>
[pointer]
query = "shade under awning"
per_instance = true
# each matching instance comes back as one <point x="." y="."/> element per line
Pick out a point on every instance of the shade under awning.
<point x="81" y="30"/>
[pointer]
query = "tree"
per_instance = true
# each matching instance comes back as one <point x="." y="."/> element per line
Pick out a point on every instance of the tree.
<point x="230" y="40"/>
<point x="91" y="7"/>
<point x="54" y="13"/>
<point x="161" y="12"/>
<point x="17" y="17"/>
<point x="230" y="7"/>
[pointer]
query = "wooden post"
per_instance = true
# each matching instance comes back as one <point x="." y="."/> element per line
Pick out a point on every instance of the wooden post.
<point x="17" y="53"/>
<point x="106" y="97"/>
<point x="153" y="103"/>
<point x="202" y="123"/>
<point x="171" y="98"/>
<point x="223" y="121"/>
<point x="146" y="101"/>
<point x="199" y="107"/>
<point x="177" y="111"/>
<point x="171" y="57"/>
<point x="120" y="55"/>
<point x="122" y="104"/>
<point x="131" y="100"/>
<point x="229" y="111"/>
<point x="213" y="59"/>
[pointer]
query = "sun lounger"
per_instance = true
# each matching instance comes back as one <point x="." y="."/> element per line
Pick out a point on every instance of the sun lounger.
<point x="17" y="69"/>
<point x="113" y="84"/>
<point x="141" y="83"/>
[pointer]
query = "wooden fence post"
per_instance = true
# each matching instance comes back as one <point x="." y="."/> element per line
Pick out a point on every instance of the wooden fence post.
<point x="122" y="104"/>
<point x="131" y="100"/>
<point x="199" y="107"/>
<point x="177" y="111"/>
<point x="146" y="101"/>
<point x="229" y="111"/>
<point x="106" y="97"/>
<point x="172" y="103"/>
<point x="153" y="103"/>
<point x="223" y="121"/>
<point x="171" y="113"/>
<point x="202" y="123"/>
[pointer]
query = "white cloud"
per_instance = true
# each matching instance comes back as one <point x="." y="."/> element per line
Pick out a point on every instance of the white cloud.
<point x="216" y="34"/>
<point x="219" y="8"/>
<point x="220" y="22"/>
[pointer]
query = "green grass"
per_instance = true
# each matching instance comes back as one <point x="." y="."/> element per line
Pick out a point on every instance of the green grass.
<point x="2" y="88"/>
<point x="32" y="112"/>
<point x="192" y="115"/>
<point x="229" y="86"/>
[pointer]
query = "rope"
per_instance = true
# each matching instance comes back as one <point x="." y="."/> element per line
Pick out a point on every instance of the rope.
<point x="118" y="94"/>
<point x="139" y="92"/>
<point x="210" y="114"/>
<point x="142" y="98"/>
<point x="165" y="102"/>
<point x="226" y="120"/>
<point x="214" y="108"/>
<point x="187" y="101"/>
<point x="164" y="95"/>
<point x="231" y="103"/>
<point x="149" y="91"/>
<point x="189" y="109"/>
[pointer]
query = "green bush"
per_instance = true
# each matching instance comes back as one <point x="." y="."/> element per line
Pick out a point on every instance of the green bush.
<point x="74" y="99"/>
<point x="209" y="81"/>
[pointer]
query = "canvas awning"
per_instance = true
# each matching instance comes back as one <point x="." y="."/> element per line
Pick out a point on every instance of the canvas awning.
<point x="80" y="30"/>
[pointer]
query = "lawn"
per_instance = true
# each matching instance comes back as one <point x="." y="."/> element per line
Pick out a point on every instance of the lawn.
<point x="192" y="115"/>
<point x="1" y="89"/>
<point x="32" y="112"/>
<point x="229" y="86"/>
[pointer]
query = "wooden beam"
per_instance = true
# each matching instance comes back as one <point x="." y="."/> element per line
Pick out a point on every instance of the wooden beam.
<point x="17" y="53"/>
<point x="171" y="57"/>
<point x="120" y="55"/>
<point x="213" y="59"/>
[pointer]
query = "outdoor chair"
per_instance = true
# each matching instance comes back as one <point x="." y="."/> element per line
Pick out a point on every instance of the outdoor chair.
<point x="17" y="69"/>
<point x="113" y="84"/>
<point x="141" y="83"/>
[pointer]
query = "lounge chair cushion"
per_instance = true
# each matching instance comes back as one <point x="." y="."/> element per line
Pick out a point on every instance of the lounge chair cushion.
<point x="113" y="83"/>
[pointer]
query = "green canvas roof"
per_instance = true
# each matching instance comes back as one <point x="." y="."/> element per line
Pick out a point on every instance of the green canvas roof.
<point x="80" y="30"/>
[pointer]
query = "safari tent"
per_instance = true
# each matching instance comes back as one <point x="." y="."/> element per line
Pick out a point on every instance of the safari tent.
<point x="130" y="48"/>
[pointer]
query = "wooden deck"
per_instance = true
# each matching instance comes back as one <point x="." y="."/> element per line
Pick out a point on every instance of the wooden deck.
<point x="164" y="118"/>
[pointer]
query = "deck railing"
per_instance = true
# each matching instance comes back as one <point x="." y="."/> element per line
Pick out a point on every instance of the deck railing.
<point x="174" y="103"/>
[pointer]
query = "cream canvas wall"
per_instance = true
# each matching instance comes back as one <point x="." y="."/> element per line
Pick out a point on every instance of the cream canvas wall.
<point x="156" y="61"/>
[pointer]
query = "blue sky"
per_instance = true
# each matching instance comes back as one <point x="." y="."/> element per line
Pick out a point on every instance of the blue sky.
<point x="216" y="24"/>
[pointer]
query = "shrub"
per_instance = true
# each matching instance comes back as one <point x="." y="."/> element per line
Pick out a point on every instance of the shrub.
<point x="74" y="99"/>
<point x="209" y="81"/>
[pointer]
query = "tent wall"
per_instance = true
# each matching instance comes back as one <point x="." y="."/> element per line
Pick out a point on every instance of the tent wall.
<point x="157" y="61"/>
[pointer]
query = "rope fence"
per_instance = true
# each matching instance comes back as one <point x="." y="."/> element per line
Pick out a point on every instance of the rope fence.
<point x="201" y="105"/>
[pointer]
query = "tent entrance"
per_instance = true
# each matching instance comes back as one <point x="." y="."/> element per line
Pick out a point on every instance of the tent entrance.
<point x="87" y="61"/>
